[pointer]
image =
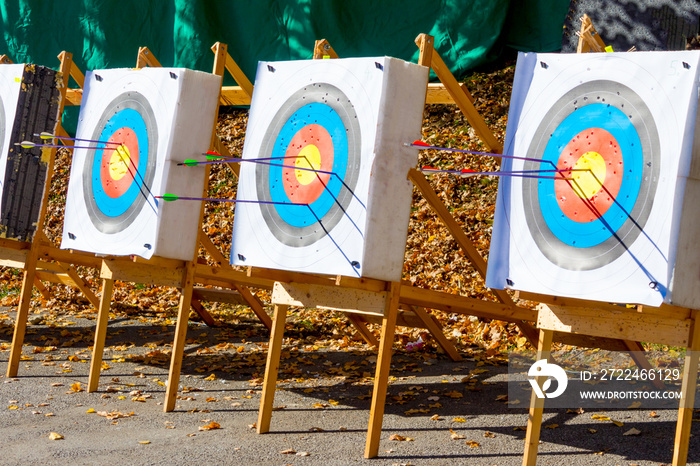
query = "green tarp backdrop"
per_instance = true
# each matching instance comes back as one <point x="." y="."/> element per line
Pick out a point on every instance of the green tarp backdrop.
<point x="107" y="33"/>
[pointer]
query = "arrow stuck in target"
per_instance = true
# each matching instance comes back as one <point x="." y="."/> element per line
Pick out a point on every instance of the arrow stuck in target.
<point x="44" y="135"/>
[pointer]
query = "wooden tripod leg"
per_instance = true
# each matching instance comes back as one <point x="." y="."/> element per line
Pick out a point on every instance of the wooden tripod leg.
<point x="100" y="334"/>
<point x="183" y="315"/>
<point x="272" y="367"/>
<point x="685" y="408"/>
<point x="534" y="422"/>
<point x="436" y="331"/>
<point x="22" y="311"/>
<point x="381" y="376"/>
<point x="360" y="325"/>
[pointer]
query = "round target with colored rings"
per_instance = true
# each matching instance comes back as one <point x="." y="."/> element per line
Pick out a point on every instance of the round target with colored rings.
<point x="118" y="177"/>
<point x="309" y="164"/>
<point x="601" y="137"/>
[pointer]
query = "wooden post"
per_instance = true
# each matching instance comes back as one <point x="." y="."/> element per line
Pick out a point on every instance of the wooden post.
<point x="381" y="376"/>
<point x="100" y="334"/>
<point x="272" y="367"/>
<point x="183" y="315"/>
<point x="23" y="311"/>
<point x="687" y="402"/>
<point x="534" y="423"/>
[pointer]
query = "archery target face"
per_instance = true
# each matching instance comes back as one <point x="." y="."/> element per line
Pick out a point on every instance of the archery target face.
<point x="608" y="137"/>
<point x="144" y="124"/>
<point x="311" y="144"/>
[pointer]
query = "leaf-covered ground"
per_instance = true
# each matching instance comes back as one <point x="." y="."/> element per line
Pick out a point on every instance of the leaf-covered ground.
<point x="433" y="258"/>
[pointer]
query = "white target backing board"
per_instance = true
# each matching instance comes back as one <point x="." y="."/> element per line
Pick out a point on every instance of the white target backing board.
<point x="147" y="121"/>
<point x="323" y="187"/>
<point x="10" y="85"/>
<point x="604" y="145"/>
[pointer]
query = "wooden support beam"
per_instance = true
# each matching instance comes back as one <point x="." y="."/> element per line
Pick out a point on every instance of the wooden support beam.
<point x="688" y="387"/>
<point x="183" y="316"/>
<point x="588" y="38"/>
<point x="254" y="303"/>
<point x="426" y="43"/>
<point x="272" y="367"/>
<point x="202" y="312"/>
<point x="146" y="58"/>
<point x="100" y="334"/>
<point x="627" y="325"/>
<point x="448" y="302"/>
<point x="359" y="322"/>
<point x="436" y="331"/>
<point x="381" y="375"/>
<point x="534" y="423"/>
<point x="22" y="311"/>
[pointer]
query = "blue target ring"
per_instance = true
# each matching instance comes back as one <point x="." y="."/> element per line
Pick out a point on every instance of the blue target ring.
<point x="325" y="116"/>
<point x="114" y="207"/>
<point x="588" y="234"/>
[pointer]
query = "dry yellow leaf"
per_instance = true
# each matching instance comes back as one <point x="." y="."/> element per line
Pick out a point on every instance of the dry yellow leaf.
<point x="55" y="436"/>
<point x="90" y="411"/>
<point x="600" y="417"/>
<point x="400" y="438"/>
<point x="459" y="419"/>
<point x="211" y="426"/>
<point x="488" y="434"/>
<point x="551" y="426"/>
<point x="472" y="444"/>
<point x="144" y="442"/>
<point x="456" y="436"/>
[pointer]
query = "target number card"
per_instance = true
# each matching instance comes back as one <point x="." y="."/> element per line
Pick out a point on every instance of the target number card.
<point x="595" y="205"/>
<point x="144" y="123"/>
<point x="323" y="186"/>
<point x="29" y="101"/>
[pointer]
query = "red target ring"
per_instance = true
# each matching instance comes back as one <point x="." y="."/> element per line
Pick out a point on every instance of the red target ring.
<point x="595" y="160"/>
<point x="311" y="148"/>
<point x="119" y="163"/>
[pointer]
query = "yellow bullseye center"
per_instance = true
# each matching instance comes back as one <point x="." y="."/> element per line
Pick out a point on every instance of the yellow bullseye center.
<point x="309" y="158"/>
<point x="119" y="162"/>
<point x="590" y="174"/>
